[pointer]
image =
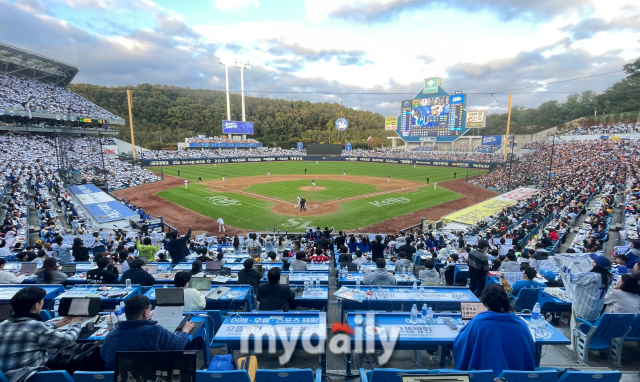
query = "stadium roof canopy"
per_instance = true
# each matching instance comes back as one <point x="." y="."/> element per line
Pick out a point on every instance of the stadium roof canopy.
<point x="20" y="63"/>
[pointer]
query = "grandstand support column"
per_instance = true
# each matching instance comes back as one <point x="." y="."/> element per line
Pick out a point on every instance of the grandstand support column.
<point x="244" y="119"/>
<point x="133" y="142"/>
<point x="469" y="146"/>
<point x="104" y="168"/>
<point x="508" y="125"/>
<point x="553" y="146"/>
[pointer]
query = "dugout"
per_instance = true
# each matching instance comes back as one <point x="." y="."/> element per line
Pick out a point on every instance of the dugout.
<point x="324" y="149"/>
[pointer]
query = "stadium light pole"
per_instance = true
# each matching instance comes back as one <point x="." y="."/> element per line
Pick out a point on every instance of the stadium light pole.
<point x="242" y="64"/>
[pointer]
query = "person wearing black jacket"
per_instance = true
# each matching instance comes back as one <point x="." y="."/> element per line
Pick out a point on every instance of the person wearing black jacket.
<point x="249" y="275"/>
<point x="273" y="295"/>
<point x="478" y="267"/>
<point x="325" y="242"/>
<point x="407" y="249"/>
<point x="177" y="248"/>
<point x="79" y="251"/>
<point x="377" y="249"/>
<point x="339" y="240"/>
<point x="104" y="274"/>
<point x="137" y="275"/>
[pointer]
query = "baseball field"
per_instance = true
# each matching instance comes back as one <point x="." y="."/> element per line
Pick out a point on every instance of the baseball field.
<point x="348" y="195"/>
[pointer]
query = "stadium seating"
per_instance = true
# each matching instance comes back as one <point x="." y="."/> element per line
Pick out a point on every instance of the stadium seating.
<point x="474" y="375"/>
<point x="387" y="375"/>
<point x="92" y="376"/>
<point x="51" y="376"/>
<point x="288" y="375"/>
<point x="598" y="335"/>
<point x="615" y="348"/>
<point x="585" y="376"/>
<point x="529" y="376"/>
<point x="525" y="300"/>
<point x="3" y="378"/>
<point x="218" y="376"/>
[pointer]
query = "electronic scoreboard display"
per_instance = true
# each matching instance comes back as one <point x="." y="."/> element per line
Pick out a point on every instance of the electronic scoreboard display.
<point x="432" y="116"/>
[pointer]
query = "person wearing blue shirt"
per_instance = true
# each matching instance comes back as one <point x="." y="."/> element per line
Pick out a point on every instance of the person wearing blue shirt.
<point x="352" y="244"/>
<point x="140" y="333"/>
<point x="497" y="339"/>
<point x="528" y="276"/>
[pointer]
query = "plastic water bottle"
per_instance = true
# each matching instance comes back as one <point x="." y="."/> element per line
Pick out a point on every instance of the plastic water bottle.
<point x="415" y="287"/>
<point x="358" y="285"/>
<point x="342" y="272"/>
<point x="535" y="314"/>
<point x="129" y="284"/>
<point x="360" y="269"/>
<point x="56" y="305"/>
<point x="117" y="312"/>
<point x="414" y="314"/>
<point x="346" y="272"/>
<point x="423" y="313"/>
<point x="421" y="287"/>
<point x="429" y="317"/>
<point x="318" y="283"/>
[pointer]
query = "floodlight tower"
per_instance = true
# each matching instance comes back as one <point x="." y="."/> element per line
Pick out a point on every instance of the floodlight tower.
<point x="241" y="63"/>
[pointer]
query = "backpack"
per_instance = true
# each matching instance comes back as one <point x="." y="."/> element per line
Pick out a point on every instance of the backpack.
<point x="221" y="363"/>
<point x="75" y="356"/>
<point x="250" y="364"/>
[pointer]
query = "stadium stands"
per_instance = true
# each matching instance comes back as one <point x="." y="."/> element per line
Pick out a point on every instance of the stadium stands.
<point x="21" y="94"/>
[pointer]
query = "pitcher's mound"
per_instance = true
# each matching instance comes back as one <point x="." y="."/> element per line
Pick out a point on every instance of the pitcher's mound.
<point x="311" y="188"/>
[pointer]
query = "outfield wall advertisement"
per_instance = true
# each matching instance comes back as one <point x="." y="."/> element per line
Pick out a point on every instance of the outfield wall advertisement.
<point x="472" y="215"/>
<point x="419" y="162"/>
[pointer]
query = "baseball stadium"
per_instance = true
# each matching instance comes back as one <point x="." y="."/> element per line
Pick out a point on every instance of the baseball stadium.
<point x="162" y="225"/>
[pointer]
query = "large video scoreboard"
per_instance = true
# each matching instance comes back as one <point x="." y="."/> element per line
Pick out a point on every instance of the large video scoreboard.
<point x="432" y="117"/>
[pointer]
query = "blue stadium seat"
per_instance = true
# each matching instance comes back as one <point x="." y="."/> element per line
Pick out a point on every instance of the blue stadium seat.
<point x="585" y="376"/>
<point x="474" y="375"/>
<point x="615" y="350"/>
<point x="288" y="375"/>
<point x="227" y="376"/>
<point x="387" y="375"/>
<point x="92" y="376"/>
<point x="3" y="378"/>
<point x="525" y="300"/>
<point x="51" y="376"/>
<point x="530" y="376"/>
<point x="598" y="335"/>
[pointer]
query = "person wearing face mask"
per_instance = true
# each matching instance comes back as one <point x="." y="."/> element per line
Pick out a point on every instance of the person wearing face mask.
<point x="478" y="267"/>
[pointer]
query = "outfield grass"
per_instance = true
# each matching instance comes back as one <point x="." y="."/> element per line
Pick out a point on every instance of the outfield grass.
<point x="239" y="170"/>
<point x="289" y="190"/>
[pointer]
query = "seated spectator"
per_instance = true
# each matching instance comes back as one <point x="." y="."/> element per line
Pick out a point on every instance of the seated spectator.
<point x="25" y="337"/>
<point x="105" y="273"/>
<point x="50" y="273"/>
<point x="380" y="276"/>
<point x="273" y="295"/>
<point x="162" y="258"/>
<point x="137" y="275"/>
<point x="496" y="339"/>
<point x="220" y="258"/>
<point x="22" y="257"/>
<point x="272" y="257"/>
<point x="196" y="269"/>
<point x="510" y="264"/>
<point x="79" y="251"/>
<point x="345" y="257"/>
<point x="146" y="251"/>
<point x="528" y="276"/>
<point x="551" y="280"/>
<point x="7" y="277"/>
<point x="193" y="299"/>
<point x="359" y="258"/>
<point x="299" y="264"/>
<point x="625" y="296"/>
<point x="496" y="265"/>
<point x="123" y="258"/>
<point x="286" y="265"/>
<point x="140" y="333"/>
<point x="403" y="264"/>
<point x="428" y="275"/>
<point x="248" y="275"/>
<point x="450" y="267"/>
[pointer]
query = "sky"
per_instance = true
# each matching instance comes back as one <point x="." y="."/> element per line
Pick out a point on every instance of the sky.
<point x="297" y="47"/>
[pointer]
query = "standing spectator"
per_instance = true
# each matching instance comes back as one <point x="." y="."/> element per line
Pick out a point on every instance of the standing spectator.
<point x="61" y="252"/>
<point x="25" y="337"/>
<point x="478" y="267"/>
<point x="146" y="251"/>
<point x="377" y="248"/>
<point x="177" y="248"/>
<point x="80" y="252"/>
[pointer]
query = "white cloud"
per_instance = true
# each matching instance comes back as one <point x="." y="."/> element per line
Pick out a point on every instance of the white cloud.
<point x="231" y="5"/>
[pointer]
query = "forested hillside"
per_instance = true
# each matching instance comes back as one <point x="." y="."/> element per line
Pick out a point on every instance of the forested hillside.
<point x="168" y="114"/>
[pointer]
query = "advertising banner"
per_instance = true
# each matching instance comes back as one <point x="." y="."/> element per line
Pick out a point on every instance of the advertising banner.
<point x="472" y="215"/>
<point x="476" y="119"/>
<point x="348" y="147"/>
<point x="431" y="85"/>
<point x="299" y="146"/>
<point x="390" y="123"/>
<point x="491" y="140"/>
